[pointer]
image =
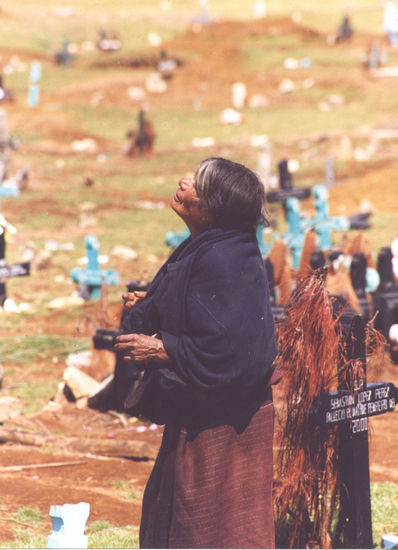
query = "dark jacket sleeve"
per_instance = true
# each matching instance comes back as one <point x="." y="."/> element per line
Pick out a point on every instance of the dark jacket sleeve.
<point x="227" y="335"/>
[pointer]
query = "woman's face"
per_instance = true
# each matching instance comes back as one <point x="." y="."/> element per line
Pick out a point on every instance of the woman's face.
<point x="189" y="207"/>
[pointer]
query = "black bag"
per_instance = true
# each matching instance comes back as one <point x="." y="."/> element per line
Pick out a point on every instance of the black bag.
<point x="156" y="396"/>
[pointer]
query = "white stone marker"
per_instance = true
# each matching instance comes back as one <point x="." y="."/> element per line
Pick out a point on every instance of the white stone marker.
<point x="68" y="523"/>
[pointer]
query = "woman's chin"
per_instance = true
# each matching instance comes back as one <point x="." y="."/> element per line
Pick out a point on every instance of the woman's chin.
<point x="177" y="206"/>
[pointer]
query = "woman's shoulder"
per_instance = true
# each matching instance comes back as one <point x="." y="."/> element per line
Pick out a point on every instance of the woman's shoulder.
<point x="238" y="253"/>
<point x="235" y="244"/>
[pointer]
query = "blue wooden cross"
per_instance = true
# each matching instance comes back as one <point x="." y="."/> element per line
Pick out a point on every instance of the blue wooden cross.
<point x="322" y="222"/>
<point x="174" y="238"/>
<point x="8" y="191"/>
<point x="92" y="277"/>
<point x="34" y="79"/>
<point x="294" y="238"/>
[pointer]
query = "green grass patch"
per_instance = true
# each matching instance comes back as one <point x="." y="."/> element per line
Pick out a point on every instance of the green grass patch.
<point x="24" y="348"/>
<point x="24" y="356"/>
<point x="101" y="534"/>
<point x="126" y="491"/>
<point x="29" y="515"/>
<point x="35" y="395"/>
<point x="26" y="539"/>
<point x="30" y="534"/>
<point x="384" y="510"/>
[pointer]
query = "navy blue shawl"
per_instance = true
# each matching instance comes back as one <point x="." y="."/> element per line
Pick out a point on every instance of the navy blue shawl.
<point x="209" y="303"/>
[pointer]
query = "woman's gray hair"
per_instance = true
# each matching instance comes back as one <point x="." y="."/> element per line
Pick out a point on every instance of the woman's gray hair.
<point x="232" y="193"/>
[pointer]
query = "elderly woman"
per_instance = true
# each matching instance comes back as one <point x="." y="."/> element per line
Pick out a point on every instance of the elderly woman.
<point x="204" y="334"/>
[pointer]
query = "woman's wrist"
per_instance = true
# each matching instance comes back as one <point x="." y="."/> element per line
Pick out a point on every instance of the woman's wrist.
<point x="160" y="352"/>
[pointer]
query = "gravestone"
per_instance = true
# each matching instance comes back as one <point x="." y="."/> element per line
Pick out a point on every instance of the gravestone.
<point x="7" y="144"/>
<point x="373" y="58"/>
<point x="142" y="139"/>
<point x="108" y="42"/>
<point x="330" y="178"/>
<point x="5" y="95"/>
<point x="4" y="135"/>
<point x="7" y="191"/>
<point x="175" y="238"/>
<point x="322" y="222"/>
<point x="91" y="278"/>
<point x="385" y="299"/>
<point x="317" y="260"/>
<point x="286" y="186"/>
<point x="203" y="18"/>
<point x="34" y="79"/>
<point x="390" y="21"/>
<point x="68" y="524"/>
<point x="87" y="215"/>
<point x="64" y="56"/>
<point x="263" y="245"/>
<point x="294" y="237"/>
<point x="345" y="30"/>
<point x="166" y="65"/>
<point x="7" y="271"/>
<point x="239" y="94"/>
<point x="264" y="164"/>
<point x="349" y="408"/>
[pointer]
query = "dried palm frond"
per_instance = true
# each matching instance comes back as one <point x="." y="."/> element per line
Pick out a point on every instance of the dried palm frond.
<point x="339" y="283"/>
<point x="282" y="271"/>
<point x="277" y="256"/>
<point x="309" y="246"/>
<point x="359" y="244"/>
<point x="285" y="285"/>
<point x="311" y="352"/>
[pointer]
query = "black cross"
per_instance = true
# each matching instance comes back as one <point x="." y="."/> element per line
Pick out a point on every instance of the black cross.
<point x="7" y="271"/>
<point x="350" y="408"/>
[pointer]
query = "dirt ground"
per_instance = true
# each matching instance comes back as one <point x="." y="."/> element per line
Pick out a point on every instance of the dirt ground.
<point x="91" y="478"/>
<point x="113" y="485"/>
<point x="95" y="478"/>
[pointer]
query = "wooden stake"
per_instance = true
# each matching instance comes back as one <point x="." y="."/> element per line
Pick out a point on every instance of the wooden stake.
<point x="42" y="465"/>
<point x="111" y="447"/>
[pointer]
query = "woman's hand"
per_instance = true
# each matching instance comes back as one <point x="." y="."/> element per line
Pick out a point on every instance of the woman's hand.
<point x="132" y="298"/>
<point x="141" y="347"/>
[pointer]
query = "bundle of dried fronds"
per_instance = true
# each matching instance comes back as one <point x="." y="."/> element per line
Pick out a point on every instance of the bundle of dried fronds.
<point x="338" y="282"/>
<point x="310" y="245"/>
<point x="277" y="256"/>
<point x="359" y="244"/>
<point x="311" y="348"/>
<point x="282" y="271"/>
<point x="285" y="285"/>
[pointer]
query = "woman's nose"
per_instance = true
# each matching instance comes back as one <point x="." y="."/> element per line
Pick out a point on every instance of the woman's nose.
<point x="183" y="183"/>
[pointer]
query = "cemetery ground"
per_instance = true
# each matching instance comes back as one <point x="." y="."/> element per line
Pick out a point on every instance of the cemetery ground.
<point x="73" y="143"/>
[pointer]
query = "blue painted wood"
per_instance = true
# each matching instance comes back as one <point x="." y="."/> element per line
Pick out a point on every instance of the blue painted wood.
<point x="93" y="276"/>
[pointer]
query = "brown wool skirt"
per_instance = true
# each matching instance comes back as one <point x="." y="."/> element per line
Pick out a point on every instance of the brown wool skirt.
<point x="212" y="491"/>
